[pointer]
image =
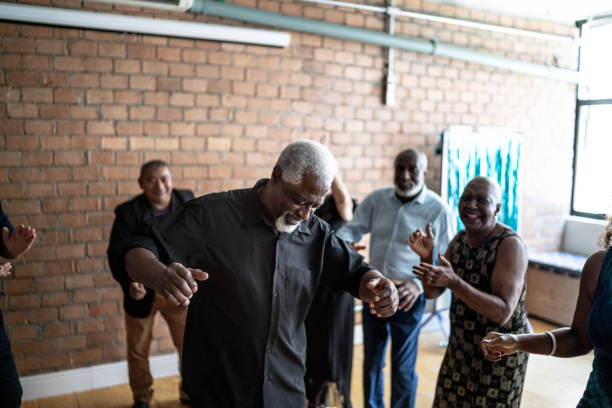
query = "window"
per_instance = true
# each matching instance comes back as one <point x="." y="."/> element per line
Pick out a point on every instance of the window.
<point x="592" y="190"/>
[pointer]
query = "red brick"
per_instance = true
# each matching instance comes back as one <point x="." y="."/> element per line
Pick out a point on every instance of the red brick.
<point x="71" y="342"/>
<point x="17" y="286"/>
<point x="114" y="112"/>
<point x="22" y="110"/>
<point x="103" y="309"/>
<point x="168" y="54"/>
<point x="95" y="96"/>
<point x="85" y="296"/>
<point x="21" y="78"/>
<point x="24" y="301"/>
<point x="141" y="113"/>
<point x="182" y="99"/>
<point x="18" y="45"/>
<point x="23" y="333"/>
<point x="156" y="98"/>
<point x="182" y="70"/>
<point x="43" y="315"/>
<point x="111" y="50"/>
<point x="71" y="312"/>
<point x="68" y="64"/>
<point x="114" y="81"/>
<point x="68" y="96"/>
<point x="89" y="356"/>
<point x="198" y="56"/>
<point x="85" y="80"/>
<point x="70" y="127"/>
<point x="56" y="329"/>
<point x="83" y="48"/>
<point x="124" y="128"/>
<point x="127" y="66"/>
<point x="168" y="84"/>
<point x="141" y="51"/>
<point x="127" y="97"/>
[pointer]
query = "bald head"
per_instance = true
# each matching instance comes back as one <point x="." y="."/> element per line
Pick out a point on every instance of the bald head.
<point x="490" y="184"/>
<point x="479" y="205"/>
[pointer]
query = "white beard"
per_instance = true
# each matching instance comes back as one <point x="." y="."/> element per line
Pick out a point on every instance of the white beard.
<point x="282" y="226"/>
<point x="409" y="193"/>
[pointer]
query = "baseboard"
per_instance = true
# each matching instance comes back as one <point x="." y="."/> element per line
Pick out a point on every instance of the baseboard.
<point x="89" y="378"/>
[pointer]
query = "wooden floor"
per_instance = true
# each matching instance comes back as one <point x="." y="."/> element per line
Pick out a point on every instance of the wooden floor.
<point x="551" y="382"/>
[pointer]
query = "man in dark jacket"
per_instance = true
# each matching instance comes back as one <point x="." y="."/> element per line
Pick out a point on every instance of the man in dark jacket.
<point x="14" y="242"/>
<point x="140" y="303"/>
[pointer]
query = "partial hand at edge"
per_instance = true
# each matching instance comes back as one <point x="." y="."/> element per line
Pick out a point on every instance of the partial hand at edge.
<point x="5" y="269"/>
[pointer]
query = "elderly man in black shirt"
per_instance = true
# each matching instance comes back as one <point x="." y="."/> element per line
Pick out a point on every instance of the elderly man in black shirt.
<point x="264" y="255"/>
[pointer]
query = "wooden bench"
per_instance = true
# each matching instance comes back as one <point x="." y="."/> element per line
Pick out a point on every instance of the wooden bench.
<point x="553" y="281"/>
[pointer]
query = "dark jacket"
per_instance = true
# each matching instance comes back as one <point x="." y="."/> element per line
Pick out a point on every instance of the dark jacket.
<point x="132" y="217"/>
<point x="4" y="222"/>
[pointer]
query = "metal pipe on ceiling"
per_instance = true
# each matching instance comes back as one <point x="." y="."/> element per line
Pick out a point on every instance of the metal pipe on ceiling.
<point x="433" y="47"/>
<point x="448" y="20"/>
<point x="141" y="25"/>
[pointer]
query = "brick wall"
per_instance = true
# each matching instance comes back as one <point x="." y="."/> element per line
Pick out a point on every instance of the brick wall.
<point x="81" y="110"/>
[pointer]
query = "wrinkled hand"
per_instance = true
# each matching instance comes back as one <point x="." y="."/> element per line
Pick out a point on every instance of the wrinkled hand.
<point x="356" y="246"/>
<point x="422" y="245"/>
<point x="5" y="269"/>
<point x="178" y="283"/>
<point x="495" y="345"/>
<point x="137" y="291"/>
<point x="407" y="293"/>
<point x="382" y="297"/>
<point x="19" y="241"/>
<point x="441" y="275"/>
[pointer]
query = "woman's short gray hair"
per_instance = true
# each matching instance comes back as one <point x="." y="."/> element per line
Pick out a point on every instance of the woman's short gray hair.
<point x="304" y="157"/>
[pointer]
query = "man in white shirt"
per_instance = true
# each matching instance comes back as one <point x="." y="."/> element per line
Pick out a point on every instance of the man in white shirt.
<point x="391" y="214"/>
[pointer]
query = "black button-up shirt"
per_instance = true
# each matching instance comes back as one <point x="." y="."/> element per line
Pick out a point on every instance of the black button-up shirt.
<point x="245" y="342"/>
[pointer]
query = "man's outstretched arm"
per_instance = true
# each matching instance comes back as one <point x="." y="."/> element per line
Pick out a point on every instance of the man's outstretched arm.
<point x="175" y="282"/>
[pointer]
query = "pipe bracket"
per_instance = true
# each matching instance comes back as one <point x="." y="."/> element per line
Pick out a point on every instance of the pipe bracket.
<point x="434" y="46"/>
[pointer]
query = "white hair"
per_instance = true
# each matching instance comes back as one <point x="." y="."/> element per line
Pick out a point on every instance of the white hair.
<point x="304" y="157"/>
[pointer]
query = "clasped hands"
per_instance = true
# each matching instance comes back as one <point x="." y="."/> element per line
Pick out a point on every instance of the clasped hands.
<point x="441" y="275"/>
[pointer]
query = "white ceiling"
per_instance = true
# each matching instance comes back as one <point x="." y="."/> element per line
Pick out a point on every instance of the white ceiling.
<point x="558" y="11"/>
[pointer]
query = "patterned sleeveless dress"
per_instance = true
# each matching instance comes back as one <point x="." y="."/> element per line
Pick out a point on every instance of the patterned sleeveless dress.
<point x="466" y="378"/>
<point x="598" y="392"/>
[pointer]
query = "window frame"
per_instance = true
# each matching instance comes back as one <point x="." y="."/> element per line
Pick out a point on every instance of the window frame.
<point x="579" y="104"/>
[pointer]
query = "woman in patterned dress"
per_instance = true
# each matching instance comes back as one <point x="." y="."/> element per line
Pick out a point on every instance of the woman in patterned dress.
<point x="484" y="267"/>
<point x="591" y="329"/>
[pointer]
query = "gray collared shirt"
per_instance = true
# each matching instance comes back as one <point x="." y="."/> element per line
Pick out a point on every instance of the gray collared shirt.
<point x="391" y="223"/>
<point x="244" y="342"/>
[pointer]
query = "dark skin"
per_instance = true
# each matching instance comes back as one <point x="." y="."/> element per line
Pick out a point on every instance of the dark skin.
<point x="296" y="202"/>
<point x="571" y="341"/>
<point x="478" y="207"/>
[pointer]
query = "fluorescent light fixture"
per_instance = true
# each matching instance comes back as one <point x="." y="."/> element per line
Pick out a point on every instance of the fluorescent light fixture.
<point x="141" y="25"/>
